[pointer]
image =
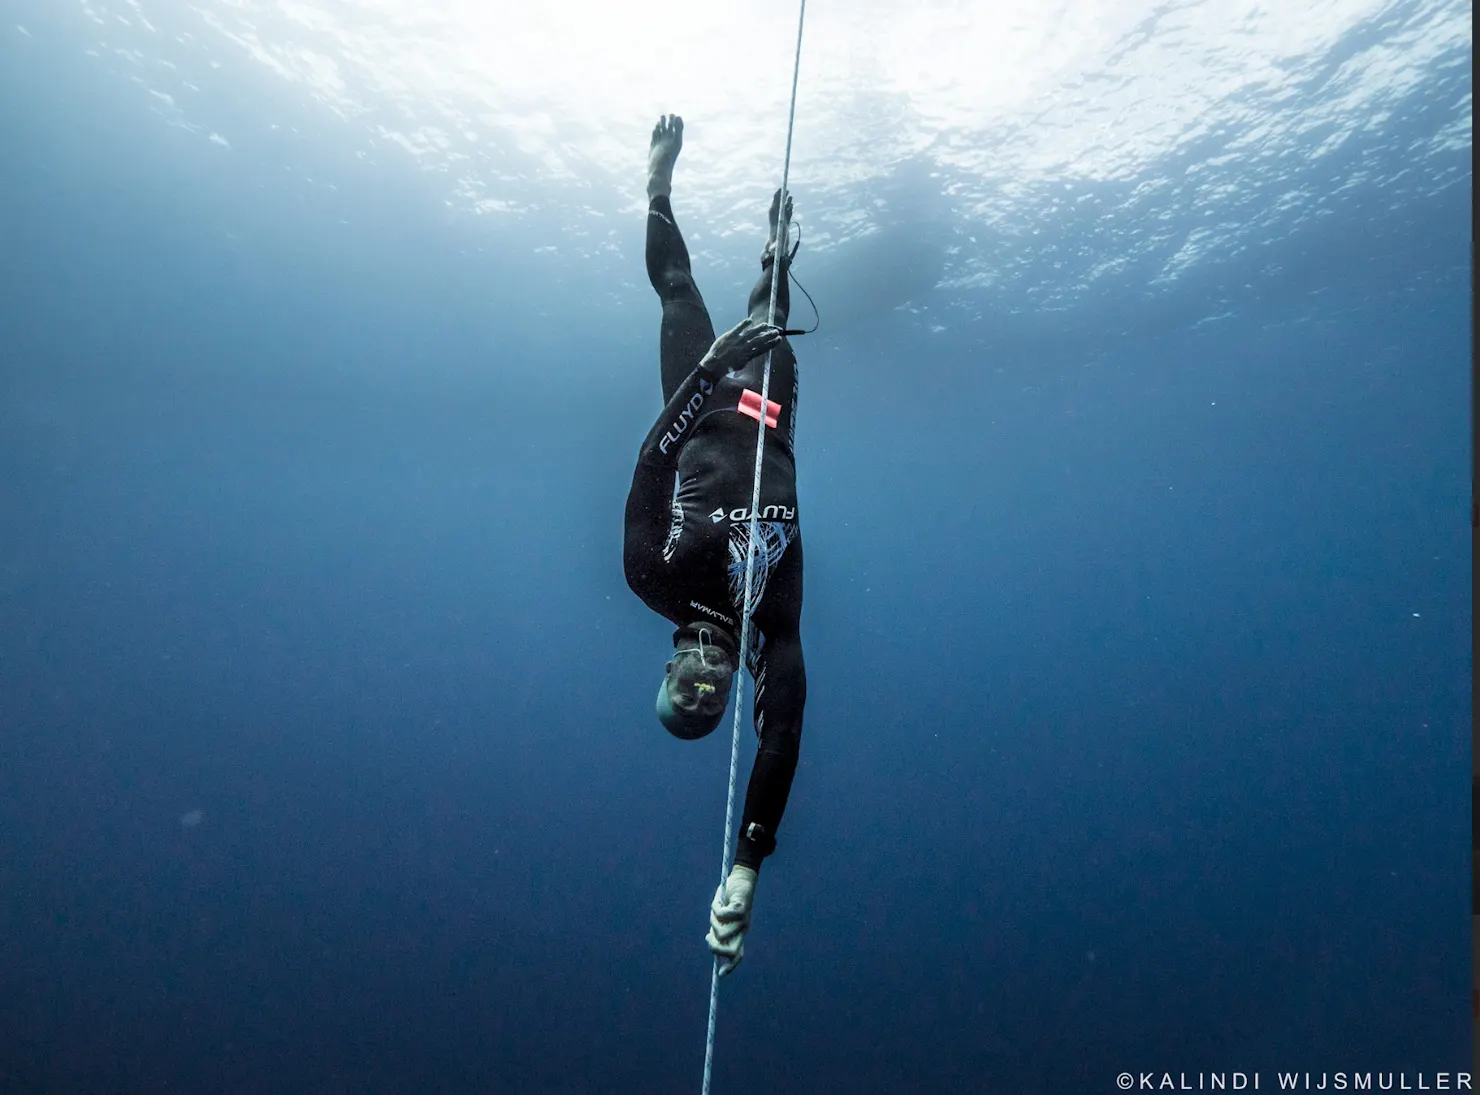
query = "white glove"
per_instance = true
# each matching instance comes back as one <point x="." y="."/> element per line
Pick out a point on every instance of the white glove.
<point x="729" y="917"/>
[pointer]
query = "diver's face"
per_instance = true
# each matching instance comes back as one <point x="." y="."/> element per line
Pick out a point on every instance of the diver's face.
<point x="699" y="684"/>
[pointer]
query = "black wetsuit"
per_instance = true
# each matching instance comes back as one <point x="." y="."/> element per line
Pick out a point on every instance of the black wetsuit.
<point x="685" y="549"/>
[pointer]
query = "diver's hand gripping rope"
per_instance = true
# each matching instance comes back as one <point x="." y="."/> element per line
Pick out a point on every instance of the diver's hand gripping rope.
<point x="755" y="506"/>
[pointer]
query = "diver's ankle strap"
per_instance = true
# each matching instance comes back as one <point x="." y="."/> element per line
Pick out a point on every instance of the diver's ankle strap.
<point x="768" y="252"/>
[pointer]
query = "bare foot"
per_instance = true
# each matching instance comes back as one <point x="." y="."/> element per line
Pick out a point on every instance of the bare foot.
<point x="770" y="247"/>
<point x="663" y="154"/>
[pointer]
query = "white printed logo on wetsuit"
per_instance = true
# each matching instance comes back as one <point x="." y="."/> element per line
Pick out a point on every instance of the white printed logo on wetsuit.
<point x="688" y="416"/>
<point x="775" y="538"/>
<point x="675" y="529"/>
<point x="742" y="513"/>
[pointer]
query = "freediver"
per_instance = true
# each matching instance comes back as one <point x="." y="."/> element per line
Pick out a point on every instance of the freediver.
<point x="685" y="547"/>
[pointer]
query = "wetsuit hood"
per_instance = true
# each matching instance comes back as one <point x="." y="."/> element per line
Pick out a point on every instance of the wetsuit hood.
<point x="710" y="634"/>
<point x="695" y="689"/>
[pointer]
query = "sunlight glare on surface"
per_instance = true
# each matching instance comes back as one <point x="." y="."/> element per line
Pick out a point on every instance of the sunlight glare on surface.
<point x="967" y="120"/>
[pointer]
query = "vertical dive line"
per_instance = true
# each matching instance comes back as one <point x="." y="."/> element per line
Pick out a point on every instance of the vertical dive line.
<point x="782" y="226"/>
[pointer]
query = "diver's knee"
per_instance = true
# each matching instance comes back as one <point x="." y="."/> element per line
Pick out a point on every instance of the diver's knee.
<point x="675" y="284"/>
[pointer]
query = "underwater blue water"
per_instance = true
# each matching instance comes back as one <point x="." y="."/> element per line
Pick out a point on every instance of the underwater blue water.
<point x="1138" y="633"/>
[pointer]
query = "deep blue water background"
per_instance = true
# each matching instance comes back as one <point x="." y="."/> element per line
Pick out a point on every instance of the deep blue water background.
<point x="1139" y="663"/>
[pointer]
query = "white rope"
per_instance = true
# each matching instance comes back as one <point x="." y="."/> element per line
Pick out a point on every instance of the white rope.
<point x="777" y="273"/>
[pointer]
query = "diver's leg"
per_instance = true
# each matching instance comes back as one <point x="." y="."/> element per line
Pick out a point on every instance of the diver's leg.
<point x="760" y="296"/>
<point x="686" y="332"/>
<point x="780" y="696"/>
